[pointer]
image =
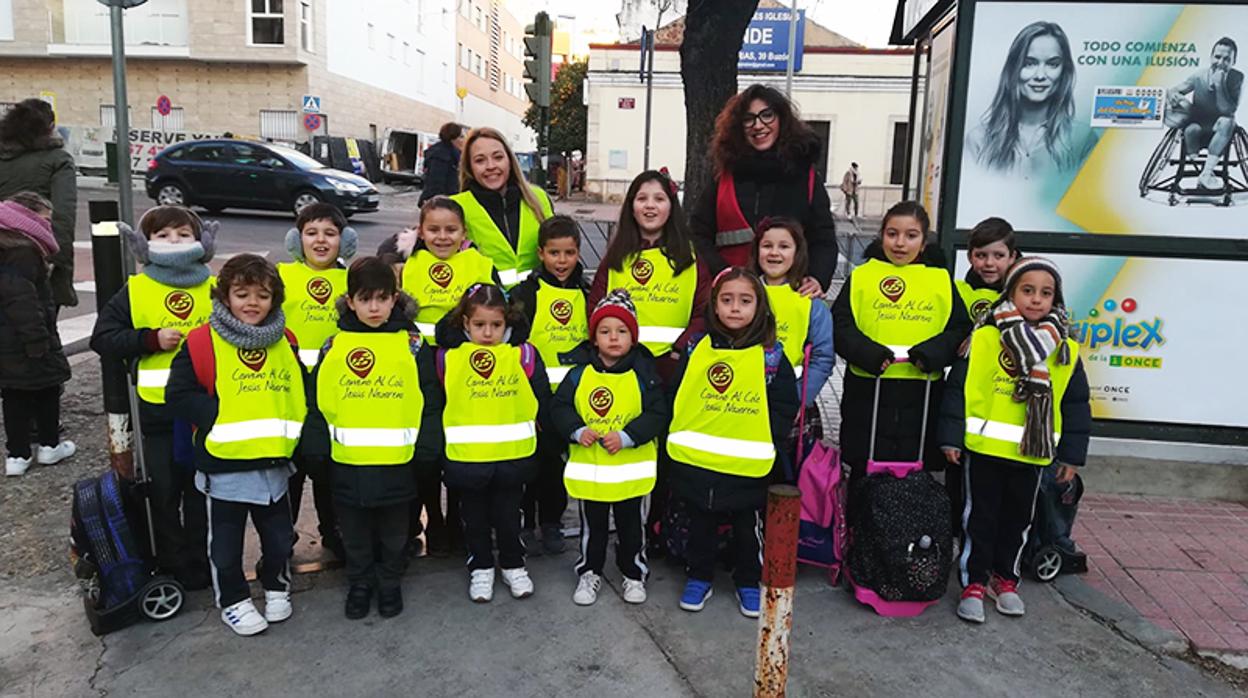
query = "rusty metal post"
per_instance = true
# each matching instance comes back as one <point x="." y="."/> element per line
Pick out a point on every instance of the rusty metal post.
<point x="775" y="622"/>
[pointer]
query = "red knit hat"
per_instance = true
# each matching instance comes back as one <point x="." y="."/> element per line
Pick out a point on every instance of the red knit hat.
<point x="619" y="305"/>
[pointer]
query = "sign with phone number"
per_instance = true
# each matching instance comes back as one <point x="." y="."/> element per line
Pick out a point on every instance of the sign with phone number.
<point x="146" y="144"/>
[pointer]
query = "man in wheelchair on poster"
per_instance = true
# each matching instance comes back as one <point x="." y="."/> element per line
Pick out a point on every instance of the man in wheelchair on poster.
<point x="1207" y="120"/>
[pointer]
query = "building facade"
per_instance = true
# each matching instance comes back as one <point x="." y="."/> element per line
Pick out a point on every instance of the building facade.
<point x="240" y="66"/>
<point x="490" y="70"/>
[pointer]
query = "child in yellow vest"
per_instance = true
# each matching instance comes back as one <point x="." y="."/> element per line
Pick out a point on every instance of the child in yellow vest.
<point x="612" y="410"/>
<point x="377" y="391"/>
<point x="239" y="381"/>
<point x="990" y="249"/>
<point x="735" y="401"/>
<point x="552" y="300"/>
<point x="318" y="244"/>
<point x="495" y="386"/>
<point x="1017" y="404"/>
<point x="143" y="325"/>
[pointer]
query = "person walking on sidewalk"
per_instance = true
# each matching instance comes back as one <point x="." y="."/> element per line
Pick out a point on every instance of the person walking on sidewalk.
<point x="441" y="172"/>
<point x="849" y="187"/>
<point x="32" y="364"/>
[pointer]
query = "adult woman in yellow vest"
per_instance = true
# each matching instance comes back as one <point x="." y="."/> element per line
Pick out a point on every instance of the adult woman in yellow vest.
<point x="502" y="211"/>
<point x="899" y="304"/>
<point x="1018" y="404"/>
<point x="144" y="325"/>
<point x="735" y="400"/>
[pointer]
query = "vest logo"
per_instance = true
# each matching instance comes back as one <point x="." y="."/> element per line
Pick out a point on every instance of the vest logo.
<point x="180" y="304"/>
<point x="893" y="287"/>
<point x="600" y="400"/>
<point x="482" y="361"/>
<point x="720" y="376"/>
<point x="253" y="358"/>
<point x="361" y="360"/>
<point x="441" y="274"/>
<point x="642" y="270"/>
<point x="561" y="310"/>
<point x="980" y="308"/>
<point x="1007" y="364"/>
<point x="320" y="289"/>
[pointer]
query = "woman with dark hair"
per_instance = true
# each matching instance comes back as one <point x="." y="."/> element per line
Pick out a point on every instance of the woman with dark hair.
<point x="441" y="171"/>
<point x="33" y="158"/>
<point x="765" y="167"/>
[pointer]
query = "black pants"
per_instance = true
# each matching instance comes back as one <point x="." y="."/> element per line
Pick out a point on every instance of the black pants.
<point x="493" y="509"/>
<point x="382" y="566"/>
<point x="545" y="499"/>
<point x="747" y="532"/>
<point x="630" y="531"/>
<point x="320" y="473"/>
<point x="226" y="523"/>
<point x="957" y="500"/>
<point x="43" y="406"/>
<point x="1000" y="505"/>
<point x="429" y="498"/>
<point x="179" y="516"/>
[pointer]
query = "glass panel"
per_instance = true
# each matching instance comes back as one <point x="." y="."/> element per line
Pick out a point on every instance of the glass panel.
<point x="267" y="31"/>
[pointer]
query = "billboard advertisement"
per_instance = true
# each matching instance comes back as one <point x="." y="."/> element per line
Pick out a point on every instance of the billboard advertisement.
<point x="1107" y="118"/>
<point x="765" y="46"/>
<point x="936" y="106"/>
<point x="1146" y="330"/>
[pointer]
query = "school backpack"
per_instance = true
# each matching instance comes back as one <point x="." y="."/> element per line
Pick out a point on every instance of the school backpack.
<point x="102" y="533"/>
<point x="901" y="541"/>
<point x="822" y="533"/>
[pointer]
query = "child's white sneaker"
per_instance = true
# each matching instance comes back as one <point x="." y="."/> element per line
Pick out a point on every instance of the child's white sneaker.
<point x="277" y="606"/>
<point x="1005" y="593"/>
<point x="634" y="591"/>
<point x="243" y="618"/>
<point x="14" y="467"/>
<point x="481" y="586"/>
<point x="518" y="581"/>
<point x="51" y="455"/>
<point x="587" y="589"/>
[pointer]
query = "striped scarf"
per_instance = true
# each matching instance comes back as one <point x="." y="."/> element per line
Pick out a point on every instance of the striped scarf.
<point x="1030" y="345"/>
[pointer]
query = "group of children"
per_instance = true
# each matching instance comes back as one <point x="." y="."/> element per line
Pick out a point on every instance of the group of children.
<point x="658" y="384"/>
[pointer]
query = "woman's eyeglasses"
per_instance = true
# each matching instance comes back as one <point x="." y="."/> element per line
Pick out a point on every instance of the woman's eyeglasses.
<point x="767" y="116"/>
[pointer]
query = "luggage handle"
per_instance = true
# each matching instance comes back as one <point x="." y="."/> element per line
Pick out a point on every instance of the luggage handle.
<point x="897" y="469"/>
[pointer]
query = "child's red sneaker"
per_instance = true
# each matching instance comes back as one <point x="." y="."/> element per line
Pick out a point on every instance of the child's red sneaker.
<point x="1005" y="592"/>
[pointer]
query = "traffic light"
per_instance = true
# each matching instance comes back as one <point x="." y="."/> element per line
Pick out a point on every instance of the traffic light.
<point x="537" y="37"/>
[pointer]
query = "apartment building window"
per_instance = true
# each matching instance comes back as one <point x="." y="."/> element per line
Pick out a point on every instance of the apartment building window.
<point x="478" y="66"/>
<point x="108" y="116"/>
<point x="463" y="56"/>
<point x="390" y="46"/>
<point x="406" y="59"/>
<point x="897" y="166"/>
<point x="372" y="42"/>
<point x="420" y="16"/>
<point x="420" y="67"/>
<point x="279" y="124"/>
<point x="465" y="9"/>
<point x="305" y="25"/>
<point x="267" y="22"/>
<point x="6" y="20"/>
<point x="446" y="76"/>
<point x="478" y="18"/>
<point x="175" y="120"/>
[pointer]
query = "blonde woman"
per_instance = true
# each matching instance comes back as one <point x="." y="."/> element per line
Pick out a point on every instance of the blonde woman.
<point x="501" y="211"/>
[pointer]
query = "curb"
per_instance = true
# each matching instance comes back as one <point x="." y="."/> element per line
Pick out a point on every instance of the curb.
<point x="1121" y="617"/>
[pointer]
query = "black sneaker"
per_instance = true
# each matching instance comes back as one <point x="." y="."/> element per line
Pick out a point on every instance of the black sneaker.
<point x="390" y="602"/>
<point x="359" y="600"/>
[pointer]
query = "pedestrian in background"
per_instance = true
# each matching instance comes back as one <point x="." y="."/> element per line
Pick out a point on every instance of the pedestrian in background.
<point x="441" y="173"/>
<point x="32" y="365"/>
<point x="849" y="187"/>
<point x="33" y="158"/>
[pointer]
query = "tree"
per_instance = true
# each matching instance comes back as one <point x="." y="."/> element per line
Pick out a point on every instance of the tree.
<point x="568" y="115"/>
<point x="708" y="68"/>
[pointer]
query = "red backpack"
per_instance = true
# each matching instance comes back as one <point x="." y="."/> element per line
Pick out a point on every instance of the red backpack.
<point x="204" y="361"/>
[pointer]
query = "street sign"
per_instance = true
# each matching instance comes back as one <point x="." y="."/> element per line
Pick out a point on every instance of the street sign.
<point x="312" y="122"/>
<point x="628" y="103"/>
<point x="765" y="47"/>
<point x="461" y="92"/>
<point x="163" y="105"/>
<point x="311" y="104"/>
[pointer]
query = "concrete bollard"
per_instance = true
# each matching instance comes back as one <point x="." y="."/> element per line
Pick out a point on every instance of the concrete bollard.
<point x="775" y="621"/>
<point x="109" y="267"/>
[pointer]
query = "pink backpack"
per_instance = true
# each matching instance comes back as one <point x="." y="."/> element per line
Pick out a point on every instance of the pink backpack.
<point x="822" y="529"/>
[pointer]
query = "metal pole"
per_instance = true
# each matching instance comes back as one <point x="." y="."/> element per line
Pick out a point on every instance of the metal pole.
<point x="775" y="622"/>
<point x="788" y="70"/>
<point x="125" y="176"/>
<point x="914" y="106"/>
<point x="649" y="92"/>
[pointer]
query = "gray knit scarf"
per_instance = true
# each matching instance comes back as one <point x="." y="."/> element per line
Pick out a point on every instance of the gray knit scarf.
<point x="244" y="336"/>
<point x="177" y="265"/>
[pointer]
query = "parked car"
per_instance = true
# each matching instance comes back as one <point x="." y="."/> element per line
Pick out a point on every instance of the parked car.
<point x="219" y="174"/>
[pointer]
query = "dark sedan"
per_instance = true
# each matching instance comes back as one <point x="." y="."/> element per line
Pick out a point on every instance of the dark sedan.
<point x="220" y="174"/>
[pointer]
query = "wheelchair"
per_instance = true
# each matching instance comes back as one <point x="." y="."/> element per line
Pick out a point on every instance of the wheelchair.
<point x="1165" y="172"/>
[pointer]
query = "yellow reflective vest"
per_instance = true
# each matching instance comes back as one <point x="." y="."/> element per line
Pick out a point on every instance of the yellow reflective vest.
<point x="720" y="418"/>
<point x="560" y="323"/>
<point x="664" y="299"/>
<point x="260" y="401"/>
<point x="158" y="306"/>
<point x="994" y="420"/>
<point x="792" y="311"/>
<point x="368" y="388"/>
<point x="976" y="300"/>
<point x="438" y="284"/>
<point x="311" y="296"/>
<point x="900" y="307"/>
<point x="491" y="411"/>
<point x="513" y="263"/>
<point x="607" y="402"/>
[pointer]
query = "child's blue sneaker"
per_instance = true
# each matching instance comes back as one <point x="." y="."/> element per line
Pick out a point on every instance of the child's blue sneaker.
<point x="696" y="594"/>
<point x="748" y="599"/>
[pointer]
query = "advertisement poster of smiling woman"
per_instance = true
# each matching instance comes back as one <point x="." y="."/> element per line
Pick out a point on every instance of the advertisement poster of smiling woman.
<point x="1097" y="117"/>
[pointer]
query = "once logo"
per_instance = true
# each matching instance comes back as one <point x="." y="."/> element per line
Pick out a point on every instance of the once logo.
<point x="893" y="287"/>
<point x="642" y="270"/>
<point x="361" y="360"/>
<point x="720" y="376"/>
<point x="180" y="304"/>
<point x="320" y="289"/>
<point x="442" y="274"/>
<point x="1007" y="364"/>
<point x="980" y="308"/>
<point x="482" y="361"/>
<point x="561" y="309"/>
<point x="600" y="400"/>
<point x="253" y="358"/>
